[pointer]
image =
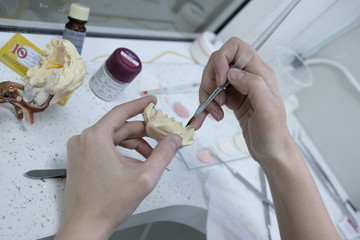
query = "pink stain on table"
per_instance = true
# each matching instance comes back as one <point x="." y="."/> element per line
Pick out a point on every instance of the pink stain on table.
<point x="205" y="156"/>
<point x="181" y="110"/>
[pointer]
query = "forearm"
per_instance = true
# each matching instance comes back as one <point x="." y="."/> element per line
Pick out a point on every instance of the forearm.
<point x="299" y="208"/>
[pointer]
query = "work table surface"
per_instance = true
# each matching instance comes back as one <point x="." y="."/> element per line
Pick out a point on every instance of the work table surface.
<point x="31" y="209"/>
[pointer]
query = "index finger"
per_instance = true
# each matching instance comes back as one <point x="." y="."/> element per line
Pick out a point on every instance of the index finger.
<point x="121" y="113"/>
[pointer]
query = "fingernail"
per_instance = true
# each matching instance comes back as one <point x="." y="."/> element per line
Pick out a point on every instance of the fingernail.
<point x="216" y="116"/>
<point x="235" y="74"/>
<point x="175" y="141"/>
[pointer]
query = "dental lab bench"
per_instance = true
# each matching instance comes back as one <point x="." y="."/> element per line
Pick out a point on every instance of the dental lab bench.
<point x="31" y="209"/>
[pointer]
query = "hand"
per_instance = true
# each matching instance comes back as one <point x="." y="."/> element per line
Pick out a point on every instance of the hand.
<point x="103" y="187"/>
<point x="253" y="95"/>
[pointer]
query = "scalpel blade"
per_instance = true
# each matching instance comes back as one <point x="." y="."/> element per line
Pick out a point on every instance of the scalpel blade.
<point x="46" y="173"/>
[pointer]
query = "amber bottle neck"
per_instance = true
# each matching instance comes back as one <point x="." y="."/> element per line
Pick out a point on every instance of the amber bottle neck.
<point x="76" y="24"/>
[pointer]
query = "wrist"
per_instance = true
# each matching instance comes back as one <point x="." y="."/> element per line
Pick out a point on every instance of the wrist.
<point x="83" y="230"/>
<point x="288" y="161"/>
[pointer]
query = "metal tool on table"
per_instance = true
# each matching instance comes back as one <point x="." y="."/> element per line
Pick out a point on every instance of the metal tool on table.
<point x="41" y="174"/>
<point x="324" y="178"/>
<point x="266" y="206"/>
<point x="46" y="173"/>
<point x="245" y="58"/>
<point x="247" y="184"/>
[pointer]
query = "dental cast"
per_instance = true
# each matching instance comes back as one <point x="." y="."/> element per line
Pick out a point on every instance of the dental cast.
<point x="159" y="126"/>
<point x="59" y="72"/>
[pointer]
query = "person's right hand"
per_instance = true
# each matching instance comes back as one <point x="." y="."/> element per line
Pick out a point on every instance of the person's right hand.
<point x="253" y="95"/>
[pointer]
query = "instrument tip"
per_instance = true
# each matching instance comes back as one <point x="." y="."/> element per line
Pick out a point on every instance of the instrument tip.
<point x="190" y="121"/>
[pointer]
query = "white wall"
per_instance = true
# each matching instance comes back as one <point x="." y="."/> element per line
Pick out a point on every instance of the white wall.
<point x="330" y="111"/>
<point x="258" y="14"/>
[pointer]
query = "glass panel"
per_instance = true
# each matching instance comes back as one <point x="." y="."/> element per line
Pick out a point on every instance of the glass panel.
<point x="147" y="18"/>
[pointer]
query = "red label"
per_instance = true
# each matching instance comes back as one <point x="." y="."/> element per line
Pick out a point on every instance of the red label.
<point x="19" y="51"/>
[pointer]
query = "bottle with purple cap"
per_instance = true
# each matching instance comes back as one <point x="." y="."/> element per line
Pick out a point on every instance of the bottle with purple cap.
<point x="115" y="74"/>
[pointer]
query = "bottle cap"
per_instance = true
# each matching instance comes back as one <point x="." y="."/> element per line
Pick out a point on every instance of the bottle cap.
<point x="124" y="65"/>
<point x="79" y="11"/>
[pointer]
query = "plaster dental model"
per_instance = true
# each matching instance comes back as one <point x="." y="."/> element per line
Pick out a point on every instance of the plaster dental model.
<point x="59" y="72"/>
<point x="159" y="126"/>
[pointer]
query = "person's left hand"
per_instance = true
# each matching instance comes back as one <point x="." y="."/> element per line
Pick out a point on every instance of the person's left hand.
<point x="103" y="187"/>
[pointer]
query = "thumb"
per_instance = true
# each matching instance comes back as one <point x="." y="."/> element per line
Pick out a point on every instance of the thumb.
<point x="234" y="76"/>
<point x="249" y="84"/>
<point x="162" y="154"/>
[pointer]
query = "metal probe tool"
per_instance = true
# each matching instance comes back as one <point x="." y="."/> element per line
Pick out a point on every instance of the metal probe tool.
<point x="266" y="206"/>
<point x="245" y="58"/>
<point x="242" y="179"/>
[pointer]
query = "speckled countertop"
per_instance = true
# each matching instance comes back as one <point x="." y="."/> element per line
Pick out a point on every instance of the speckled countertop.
<point x="30" y="209"/>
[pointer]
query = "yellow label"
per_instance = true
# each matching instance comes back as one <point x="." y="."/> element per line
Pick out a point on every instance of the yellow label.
<point x="20" y="54"/>
<point x="63" y="101"/>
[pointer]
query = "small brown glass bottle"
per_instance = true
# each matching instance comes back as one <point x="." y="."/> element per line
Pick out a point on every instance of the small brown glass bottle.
<point x="75" y="30"/>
